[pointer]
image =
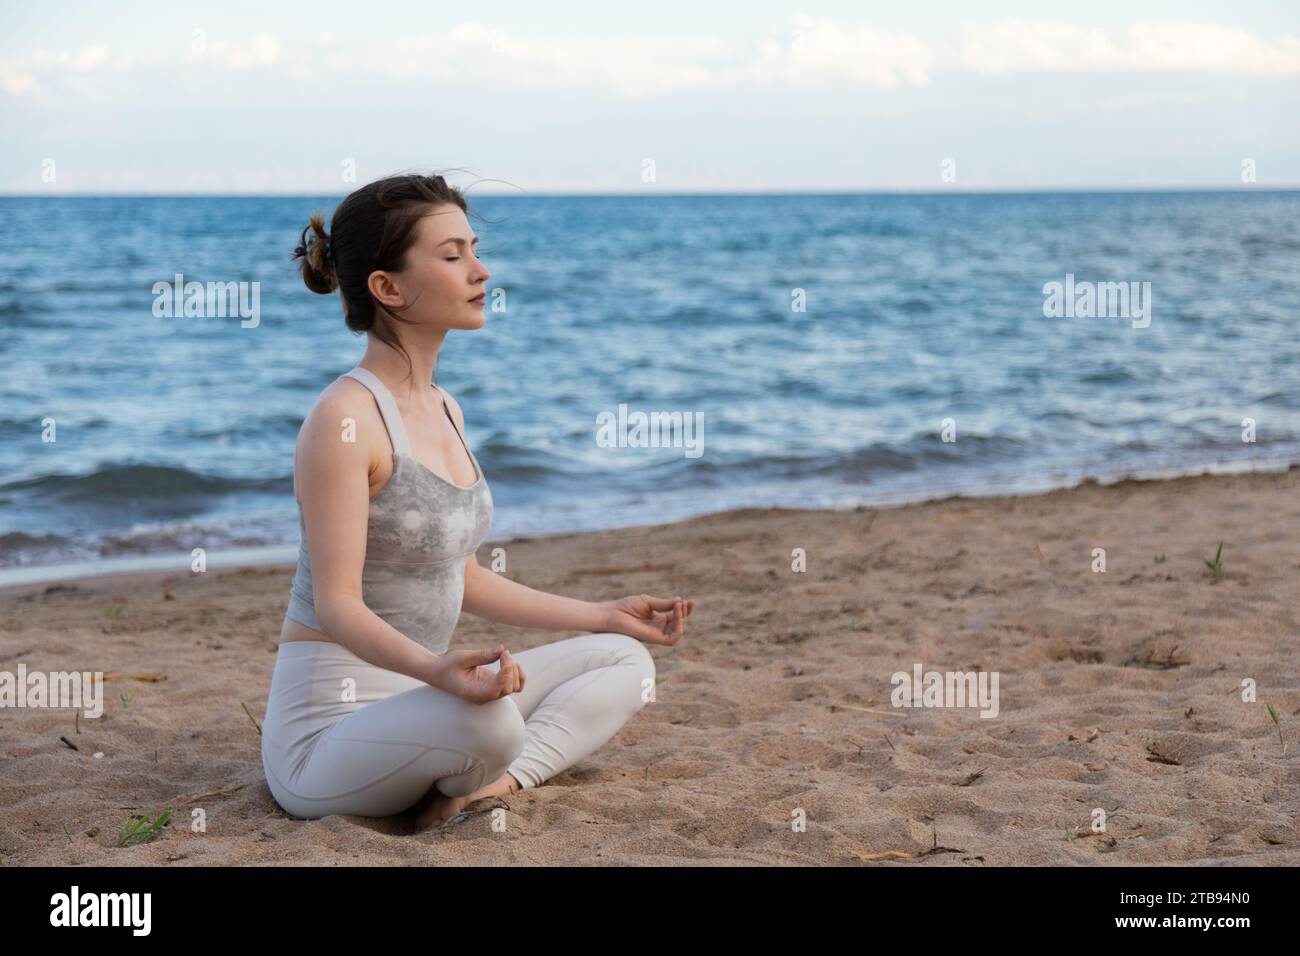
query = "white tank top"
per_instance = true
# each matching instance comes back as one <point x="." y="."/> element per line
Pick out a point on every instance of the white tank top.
<point x="421" y="530"/>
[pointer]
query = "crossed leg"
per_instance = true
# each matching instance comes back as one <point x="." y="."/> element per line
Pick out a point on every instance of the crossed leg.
<point x="577" y="694"/>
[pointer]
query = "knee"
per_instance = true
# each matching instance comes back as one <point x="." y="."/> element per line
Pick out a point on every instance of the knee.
<point x="643" y="666"/>
<point x="501" y="731"/>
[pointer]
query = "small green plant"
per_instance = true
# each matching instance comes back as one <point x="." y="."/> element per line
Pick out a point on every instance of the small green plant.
<point x="1272" y="712"/>
<point x="117" y="610"/>
<point x="138" y="830"/>
<point x="1217" y="564"/>
<point x="1160" y="558"/>
<point x="1069" y="834"/>
<point x="251" y="717"/>
<point x="126" y="698"/>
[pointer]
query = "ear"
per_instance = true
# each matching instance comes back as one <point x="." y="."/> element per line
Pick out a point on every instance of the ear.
<point x="384" y="288"/>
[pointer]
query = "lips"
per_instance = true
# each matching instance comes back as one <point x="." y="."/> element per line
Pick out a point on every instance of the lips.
<point x="482" y="296"/>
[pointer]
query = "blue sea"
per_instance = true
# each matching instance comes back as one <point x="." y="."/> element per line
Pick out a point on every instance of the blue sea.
<point x="828" y="344"/>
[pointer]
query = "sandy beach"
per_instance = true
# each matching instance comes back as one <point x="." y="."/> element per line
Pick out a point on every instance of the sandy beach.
<point x="1119" y="690"/>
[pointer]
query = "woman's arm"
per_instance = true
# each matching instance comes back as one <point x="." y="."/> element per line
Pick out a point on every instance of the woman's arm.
<point x="334" y="485"/>
<point x="333" y="478"/>
<point x="497" y="598"/>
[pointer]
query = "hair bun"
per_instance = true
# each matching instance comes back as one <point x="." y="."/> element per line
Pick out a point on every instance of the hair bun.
<point x="317" y="254"/>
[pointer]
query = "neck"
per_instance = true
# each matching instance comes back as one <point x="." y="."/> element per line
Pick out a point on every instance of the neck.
<point x="390" y="365"/>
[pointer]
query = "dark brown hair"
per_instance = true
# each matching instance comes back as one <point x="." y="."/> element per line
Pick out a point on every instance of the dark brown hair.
<point x="372" y="229"/>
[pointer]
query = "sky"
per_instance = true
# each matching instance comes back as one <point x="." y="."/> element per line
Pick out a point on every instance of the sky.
<point x="670" y="97"/>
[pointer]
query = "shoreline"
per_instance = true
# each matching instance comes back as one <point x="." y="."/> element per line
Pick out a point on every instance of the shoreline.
<point x="19" y="576"/>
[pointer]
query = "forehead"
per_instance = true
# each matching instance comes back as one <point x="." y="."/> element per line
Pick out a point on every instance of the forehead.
<point x="445" y="222"/>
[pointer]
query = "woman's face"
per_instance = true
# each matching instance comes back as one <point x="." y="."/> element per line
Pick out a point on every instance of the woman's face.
<point x="444" y="283"/>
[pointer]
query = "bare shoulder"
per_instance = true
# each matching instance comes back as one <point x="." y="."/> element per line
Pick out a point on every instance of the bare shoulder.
<point x="344" y="402"/>
<point x="346" y="396"/>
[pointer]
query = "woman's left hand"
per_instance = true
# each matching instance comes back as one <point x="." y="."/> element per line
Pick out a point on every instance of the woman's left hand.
<point x="649" y="619"/>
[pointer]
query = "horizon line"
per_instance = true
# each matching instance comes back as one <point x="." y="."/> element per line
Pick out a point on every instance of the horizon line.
<point x="872" y="191"/>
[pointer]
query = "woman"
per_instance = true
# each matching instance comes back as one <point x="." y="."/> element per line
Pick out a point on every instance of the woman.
<point x="369" y="713"/>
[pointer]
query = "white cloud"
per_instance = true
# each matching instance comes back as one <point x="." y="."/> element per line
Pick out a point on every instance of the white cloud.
<point x="266" y="48"/>
<point x="826" y="50"/>
<point x="14" y="79"/>
<point x="1146" y="46"/>
<point x="812" y="52"/>
<point x="472" y="54"/>
<point x="824" y="53"/>
<point x="260" y="50"/>
<point x="20" y="77"/>
<point x="87" y="59"/>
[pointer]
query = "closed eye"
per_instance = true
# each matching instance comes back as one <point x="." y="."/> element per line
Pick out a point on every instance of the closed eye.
<point x="473" y="245"/>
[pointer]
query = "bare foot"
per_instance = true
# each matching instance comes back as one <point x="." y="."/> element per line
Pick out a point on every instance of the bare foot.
<point x="503" y="786"/>
<point x="439" y="809"/>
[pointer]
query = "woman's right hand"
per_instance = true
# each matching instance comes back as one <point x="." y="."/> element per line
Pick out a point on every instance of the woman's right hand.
<point x="463" y="673"/>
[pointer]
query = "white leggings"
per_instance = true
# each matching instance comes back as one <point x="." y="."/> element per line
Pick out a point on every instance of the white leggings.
<point x="343" y="736"/>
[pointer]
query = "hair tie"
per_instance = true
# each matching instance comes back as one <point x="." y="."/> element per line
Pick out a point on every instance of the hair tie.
<point x="329" y="251"/>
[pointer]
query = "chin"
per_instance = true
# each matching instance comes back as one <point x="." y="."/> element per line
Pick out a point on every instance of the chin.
<point x="461" y="325"/>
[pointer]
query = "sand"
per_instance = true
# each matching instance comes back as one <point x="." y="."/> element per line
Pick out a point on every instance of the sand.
<point x="773" y="739"/>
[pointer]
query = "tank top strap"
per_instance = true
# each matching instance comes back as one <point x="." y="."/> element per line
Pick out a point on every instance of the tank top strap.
<point x="387" y="407"/>
<point x="454" y="427"/>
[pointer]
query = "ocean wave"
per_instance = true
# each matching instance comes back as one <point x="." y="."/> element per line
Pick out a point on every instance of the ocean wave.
<point x="134" y="481"/>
